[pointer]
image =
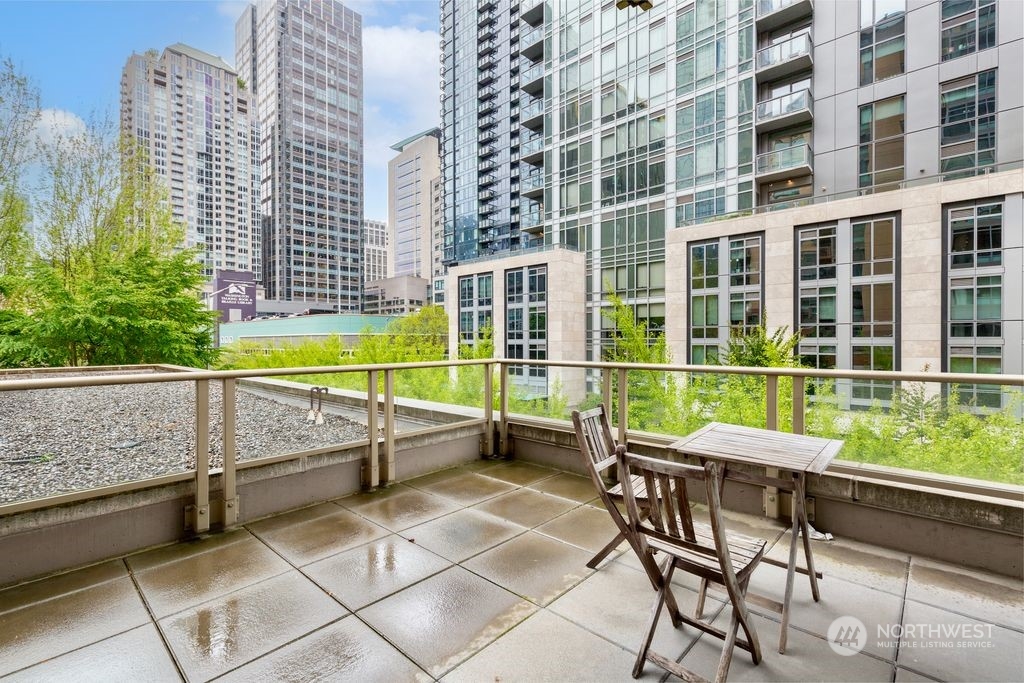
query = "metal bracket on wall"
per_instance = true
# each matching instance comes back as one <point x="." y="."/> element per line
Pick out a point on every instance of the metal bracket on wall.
<point x="771" y="495"/>
<point x="197" y="519"/>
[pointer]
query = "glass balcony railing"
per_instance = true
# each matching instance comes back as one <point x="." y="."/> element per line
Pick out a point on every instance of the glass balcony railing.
<point x="532" y="110"/>
<point x="533" y="181"/>
<point x="766" y="7"/>
<point x="532" y="74"/>
<point x="787" y="50"/>
<point x="530" y="37"/>
<point x="531" y="219"/>
<point x="531" y="146"/>
<point x="786" y="106"/>
<point x="780" y="160"/>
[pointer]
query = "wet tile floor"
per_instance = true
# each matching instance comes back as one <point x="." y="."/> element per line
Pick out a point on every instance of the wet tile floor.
<point x="479" y="573"/>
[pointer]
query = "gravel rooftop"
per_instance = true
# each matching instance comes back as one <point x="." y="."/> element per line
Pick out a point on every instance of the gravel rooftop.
<point x="60" y="440"/>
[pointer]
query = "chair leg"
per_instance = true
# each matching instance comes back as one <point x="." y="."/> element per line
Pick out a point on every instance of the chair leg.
<point x="727" y="648"/>
<point x="698" y="612"/>
<point x="670" y="597"/>
<point x="605" y="551"/>
<point x="652" y="625"/>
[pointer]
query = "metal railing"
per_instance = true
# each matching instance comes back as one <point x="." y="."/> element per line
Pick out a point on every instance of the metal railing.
<point x="380" y="460"/>
<point x="797" y="46"/>
<point x="791" y="103"/>
<point x="785" y="159"/>
<point x="850" y="194"/>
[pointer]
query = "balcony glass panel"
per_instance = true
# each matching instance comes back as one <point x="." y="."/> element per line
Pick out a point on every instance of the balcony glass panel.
<point x="797" y="46"/>
<point x="783" y="159"/>
<point x="785" y="105"/>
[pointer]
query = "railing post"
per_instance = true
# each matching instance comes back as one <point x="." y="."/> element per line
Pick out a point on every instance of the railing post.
<point x="199" y="513"/>
<point x="489" y="408"/>
<point x="770" y="500"/>
<point x="772" y="402"/>
<point x="372" y="473"/>
<point x="623" y="405"/>
<point x="229" y="513"/>
<point x="606" y="388"/>
<point x="503" y="445"/>
<point x="389" y="475"/>
<point x="798" y="405"/>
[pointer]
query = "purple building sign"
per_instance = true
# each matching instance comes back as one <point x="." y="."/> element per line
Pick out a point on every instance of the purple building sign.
<point x="234" y="295"/>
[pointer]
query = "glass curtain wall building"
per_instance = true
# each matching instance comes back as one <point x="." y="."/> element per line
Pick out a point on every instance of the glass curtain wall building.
<point x="304" y="60"/>
<point x="721" y="163"/>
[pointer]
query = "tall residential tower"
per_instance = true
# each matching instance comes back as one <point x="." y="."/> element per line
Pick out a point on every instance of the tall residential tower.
<point x="305" y="62"/>
<point x="192" y="115"/>
<point x="410" y="175"/>
<point x="850" y="170"/>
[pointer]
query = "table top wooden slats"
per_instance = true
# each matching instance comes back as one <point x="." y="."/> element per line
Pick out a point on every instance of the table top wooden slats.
<point x="762" y="447"/>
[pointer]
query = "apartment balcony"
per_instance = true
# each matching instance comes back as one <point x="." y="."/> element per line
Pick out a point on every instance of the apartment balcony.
<point x="485" y="164"/>
<point x="532" y="185"/>
<point x="772" y="14"/>
<point x="486" y="180"/>
<point x="486" y="77"/>
<point x="531" y="44"/>
<point x="486" y="5"/>
<point x="531" y="150"/>
<point x="485" y="46"/>
<point x="785" y="58"/>
<point x="531" y="221"/>
<point x="485" y="195"/>
<point x="532" y="80"/>
<point x="486" y="61"/>
<point x="486" y="151"/>
<point x="531" y="11"/>
<point x="487" y="31"/>
<point x="784" y="111"/>
<point x="486" y="14"/>
<point x="790" y="162"/>
<point x="412" y="557"/>
<point x="486" y="93"/>
<point x="488" y="106"/>
<point x="486" y="124"/>
<point x="531" y="113"/>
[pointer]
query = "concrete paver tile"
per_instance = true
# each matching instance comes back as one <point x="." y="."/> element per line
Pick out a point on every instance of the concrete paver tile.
<point x="222" y="634"/>
<point x="363" y="575"/>
<point x="442" y="621"/>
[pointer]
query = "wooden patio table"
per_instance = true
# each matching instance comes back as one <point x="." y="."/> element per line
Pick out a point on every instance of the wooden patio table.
<point x="796" y="454"/>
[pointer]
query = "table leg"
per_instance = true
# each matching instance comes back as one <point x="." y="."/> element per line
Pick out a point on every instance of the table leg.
<point x="800" y="493"/>
<point x="790" y="572"/>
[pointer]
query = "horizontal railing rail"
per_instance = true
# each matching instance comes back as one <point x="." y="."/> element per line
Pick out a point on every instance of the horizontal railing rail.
<point x="379" y="465"/>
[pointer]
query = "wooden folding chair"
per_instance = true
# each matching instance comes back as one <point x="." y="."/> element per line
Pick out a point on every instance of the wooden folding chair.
<point x="666" y="525"/>
<point x="594" y="435"/>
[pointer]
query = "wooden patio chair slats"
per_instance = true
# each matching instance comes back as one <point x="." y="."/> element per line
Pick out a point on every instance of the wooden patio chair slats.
<point x="705" y="550"/>
<point x="597" y="446"/>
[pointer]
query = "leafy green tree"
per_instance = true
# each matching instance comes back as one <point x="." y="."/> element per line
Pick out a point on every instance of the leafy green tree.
<point x="109" y="282"/>
<point x="19" y="111"/>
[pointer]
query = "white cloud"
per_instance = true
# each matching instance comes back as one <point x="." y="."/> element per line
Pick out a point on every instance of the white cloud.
<point x="402" y="89"/>
<point x="54" y="125"/>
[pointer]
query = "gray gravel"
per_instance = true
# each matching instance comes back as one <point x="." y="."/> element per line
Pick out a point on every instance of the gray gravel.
<point x="59" y="440"/>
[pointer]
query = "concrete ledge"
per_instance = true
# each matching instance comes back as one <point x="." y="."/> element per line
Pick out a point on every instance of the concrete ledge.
<point x="53" y="539"/>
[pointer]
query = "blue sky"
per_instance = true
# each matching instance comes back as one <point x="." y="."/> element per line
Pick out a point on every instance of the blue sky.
<point x="74" y="50"/>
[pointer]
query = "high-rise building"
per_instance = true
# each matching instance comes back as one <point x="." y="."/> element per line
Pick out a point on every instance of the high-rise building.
<point x="376" y="250"/>
<point x="410" y="175"/>
<point x="192" y="115"/>
<point x="848" y="170"/>
<point x="304" y="59"/>
<point x="438" y="269"/>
